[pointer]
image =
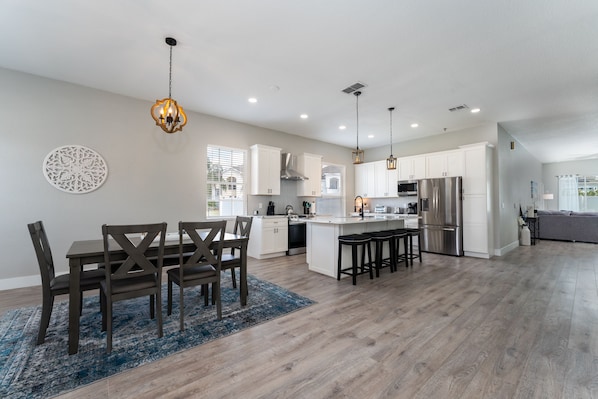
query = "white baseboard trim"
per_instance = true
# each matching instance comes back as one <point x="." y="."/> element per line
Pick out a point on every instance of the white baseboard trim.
<point x="476" y="255"/>
<point x="506" y="249"/>
<point x="19" y="282"/>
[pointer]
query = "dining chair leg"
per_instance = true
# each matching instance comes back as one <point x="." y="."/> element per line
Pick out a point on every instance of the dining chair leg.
<point x="159" y="311"/>
<point x="48" y="303"/>
<point x="108" y="325"/>
<point x="232" y="275"/>
<point x="216" y="293"/>
<point x="204" y="289"/>
<point x="103" y="309"/>
<point x="152" y="306"/>
<point x="181" y="308"/>
<point x="169" y="298"/>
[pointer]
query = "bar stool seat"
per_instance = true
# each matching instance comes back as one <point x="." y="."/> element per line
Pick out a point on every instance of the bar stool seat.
<point x="379" y="238"/>
<point x="355" y="241"/>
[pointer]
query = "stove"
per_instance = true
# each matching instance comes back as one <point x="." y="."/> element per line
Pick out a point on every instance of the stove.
<point x="297" y="235"/>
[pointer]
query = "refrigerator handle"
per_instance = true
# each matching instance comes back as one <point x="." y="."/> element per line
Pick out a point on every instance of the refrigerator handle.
<point x="436" y="201"/>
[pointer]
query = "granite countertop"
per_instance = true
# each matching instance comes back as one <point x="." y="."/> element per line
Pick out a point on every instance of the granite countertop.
<point x="356" y="219"/>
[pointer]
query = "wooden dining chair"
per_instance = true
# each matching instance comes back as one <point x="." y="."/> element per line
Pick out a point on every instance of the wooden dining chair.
<point x="200" y="266"/>
<point x="137" y="275"/>
<point x="53" y="285"/>
<point x="232" y="260"/>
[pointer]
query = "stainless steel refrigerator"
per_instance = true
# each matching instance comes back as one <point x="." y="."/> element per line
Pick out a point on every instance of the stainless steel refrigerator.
<point x="440" y="203"/>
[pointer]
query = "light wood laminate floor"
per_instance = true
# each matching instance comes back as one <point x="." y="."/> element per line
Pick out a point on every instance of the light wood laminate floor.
<point x="524" y="325"/>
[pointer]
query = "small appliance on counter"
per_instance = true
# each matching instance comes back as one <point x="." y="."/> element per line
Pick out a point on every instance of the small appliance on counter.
<point x="400" y="209"/>
<point x="412" y="208"/>
<point x="380" y="209"/>
<point x="289" y="210"/>
<point x="270" y="210"/>
<point x="306" y="207"/>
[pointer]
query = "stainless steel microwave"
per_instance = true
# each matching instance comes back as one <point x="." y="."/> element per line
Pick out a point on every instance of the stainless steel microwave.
<point x="406" y="188"/>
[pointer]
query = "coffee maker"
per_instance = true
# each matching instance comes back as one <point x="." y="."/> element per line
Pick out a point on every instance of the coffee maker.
<point x="412" y="207"/>
<point x="270" y="210"/>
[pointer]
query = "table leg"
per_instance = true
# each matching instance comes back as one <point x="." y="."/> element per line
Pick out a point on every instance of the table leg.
<point x="74" y="304"/>
<point x="243" y="277"/>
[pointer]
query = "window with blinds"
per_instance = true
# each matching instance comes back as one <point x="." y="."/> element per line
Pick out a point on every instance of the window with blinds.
<point x="226" y="182"/>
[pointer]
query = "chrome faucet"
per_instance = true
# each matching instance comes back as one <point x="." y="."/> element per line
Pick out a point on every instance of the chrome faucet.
<point x="355" y="205"/>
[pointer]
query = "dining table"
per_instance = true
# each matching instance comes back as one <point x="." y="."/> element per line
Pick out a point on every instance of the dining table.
<point x="88" y="252"/>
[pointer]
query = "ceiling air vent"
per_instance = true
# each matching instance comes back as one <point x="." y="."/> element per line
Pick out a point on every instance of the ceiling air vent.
<point x="353" y="87"/>
<point x="459" y="108"/>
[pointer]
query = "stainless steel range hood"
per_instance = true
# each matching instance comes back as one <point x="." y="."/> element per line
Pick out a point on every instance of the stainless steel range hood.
<point x="288" y="166"/>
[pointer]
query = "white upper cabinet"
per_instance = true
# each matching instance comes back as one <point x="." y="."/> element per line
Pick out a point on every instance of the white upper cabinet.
<point x="385" y="181"/>
<point x="445" y="164"/>
<point x="412" y="168"/>
<point x="365" y="181"/>
<point x="265" y="170"/>
<point x="477" y="164"/>
<point x="373" y="180"/>
<point x="310" y="166"/>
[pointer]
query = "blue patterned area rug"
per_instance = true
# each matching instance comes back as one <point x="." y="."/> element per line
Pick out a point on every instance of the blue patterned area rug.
<point x="30" y="371"/>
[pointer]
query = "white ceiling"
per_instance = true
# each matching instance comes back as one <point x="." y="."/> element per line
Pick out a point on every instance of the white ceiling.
<point x="531" y="65"/>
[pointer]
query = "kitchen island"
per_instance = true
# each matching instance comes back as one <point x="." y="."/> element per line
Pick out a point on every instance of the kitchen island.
<point x="323" y="233"/>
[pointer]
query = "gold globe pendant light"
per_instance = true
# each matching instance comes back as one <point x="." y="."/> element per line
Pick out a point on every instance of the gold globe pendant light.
<point x="391" y="161"/>
<point x="166" y="112"/>
<point x="357" y="154"/>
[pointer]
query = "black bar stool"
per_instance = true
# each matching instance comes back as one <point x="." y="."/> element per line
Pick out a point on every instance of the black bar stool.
<point x="411" y="232"/>
<point x="379" y="238"/>
<point x="355" y="240"/>
<point x="401" y="235"/>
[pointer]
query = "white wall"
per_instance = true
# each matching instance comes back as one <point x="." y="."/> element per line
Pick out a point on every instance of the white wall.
<point x="153" y="176"/>
<point x="516" y="169"/>
<point x="440" y="142"/>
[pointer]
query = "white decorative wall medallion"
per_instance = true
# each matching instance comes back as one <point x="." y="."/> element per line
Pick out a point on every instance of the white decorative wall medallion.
<point x="75" y="169"/>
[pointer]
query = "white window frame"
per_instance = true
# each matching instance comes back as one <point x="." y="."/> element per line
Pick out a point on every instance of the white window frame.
<point x="235" y="204"/>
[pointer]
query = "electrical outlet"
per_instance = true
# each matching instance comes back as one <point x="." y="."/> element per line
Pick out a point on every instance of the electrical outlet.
<point x="259" y="205"/>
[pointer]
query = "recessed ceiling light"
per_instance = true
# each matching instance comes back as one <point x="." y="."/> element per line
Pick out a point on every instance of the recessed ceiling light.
<point x="370" y="136"/>
<point x="304" y="116"/>
<point x="342" y="127"/>
<point x="475" y="110"/>
<point x="252" y="100"/>
<point x="414" y="125"/>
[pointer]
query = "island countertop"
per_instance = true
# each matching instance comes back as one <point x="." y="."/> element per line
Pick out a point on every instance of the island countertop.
<point x="359" y="220"/>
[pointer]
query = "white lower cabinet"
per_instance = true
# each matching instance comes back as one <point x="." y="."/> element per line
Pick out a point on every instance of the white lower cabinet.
<point x="475" y="225"/>
<point x="269" y="237"/>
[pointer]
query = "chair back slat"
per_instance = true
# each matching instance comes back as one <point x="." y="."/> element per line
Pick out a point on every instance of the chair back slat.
<point x="42" y="252"/>
<point x="243" y="225"/>
<point x="137" y="262"/>
<point x="207" y="251"/>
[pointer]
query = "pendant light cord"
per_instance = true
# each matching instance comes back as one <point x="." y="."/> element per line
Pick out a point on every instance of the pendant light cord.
<point x="390" y="109"/>
<point x="357" y="94"/>
<point x="170" y="75"/>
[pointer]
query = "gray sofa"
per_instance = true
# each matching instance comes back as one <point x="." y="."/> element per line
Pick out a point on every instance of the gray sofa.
<point x="568" y="226"/>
